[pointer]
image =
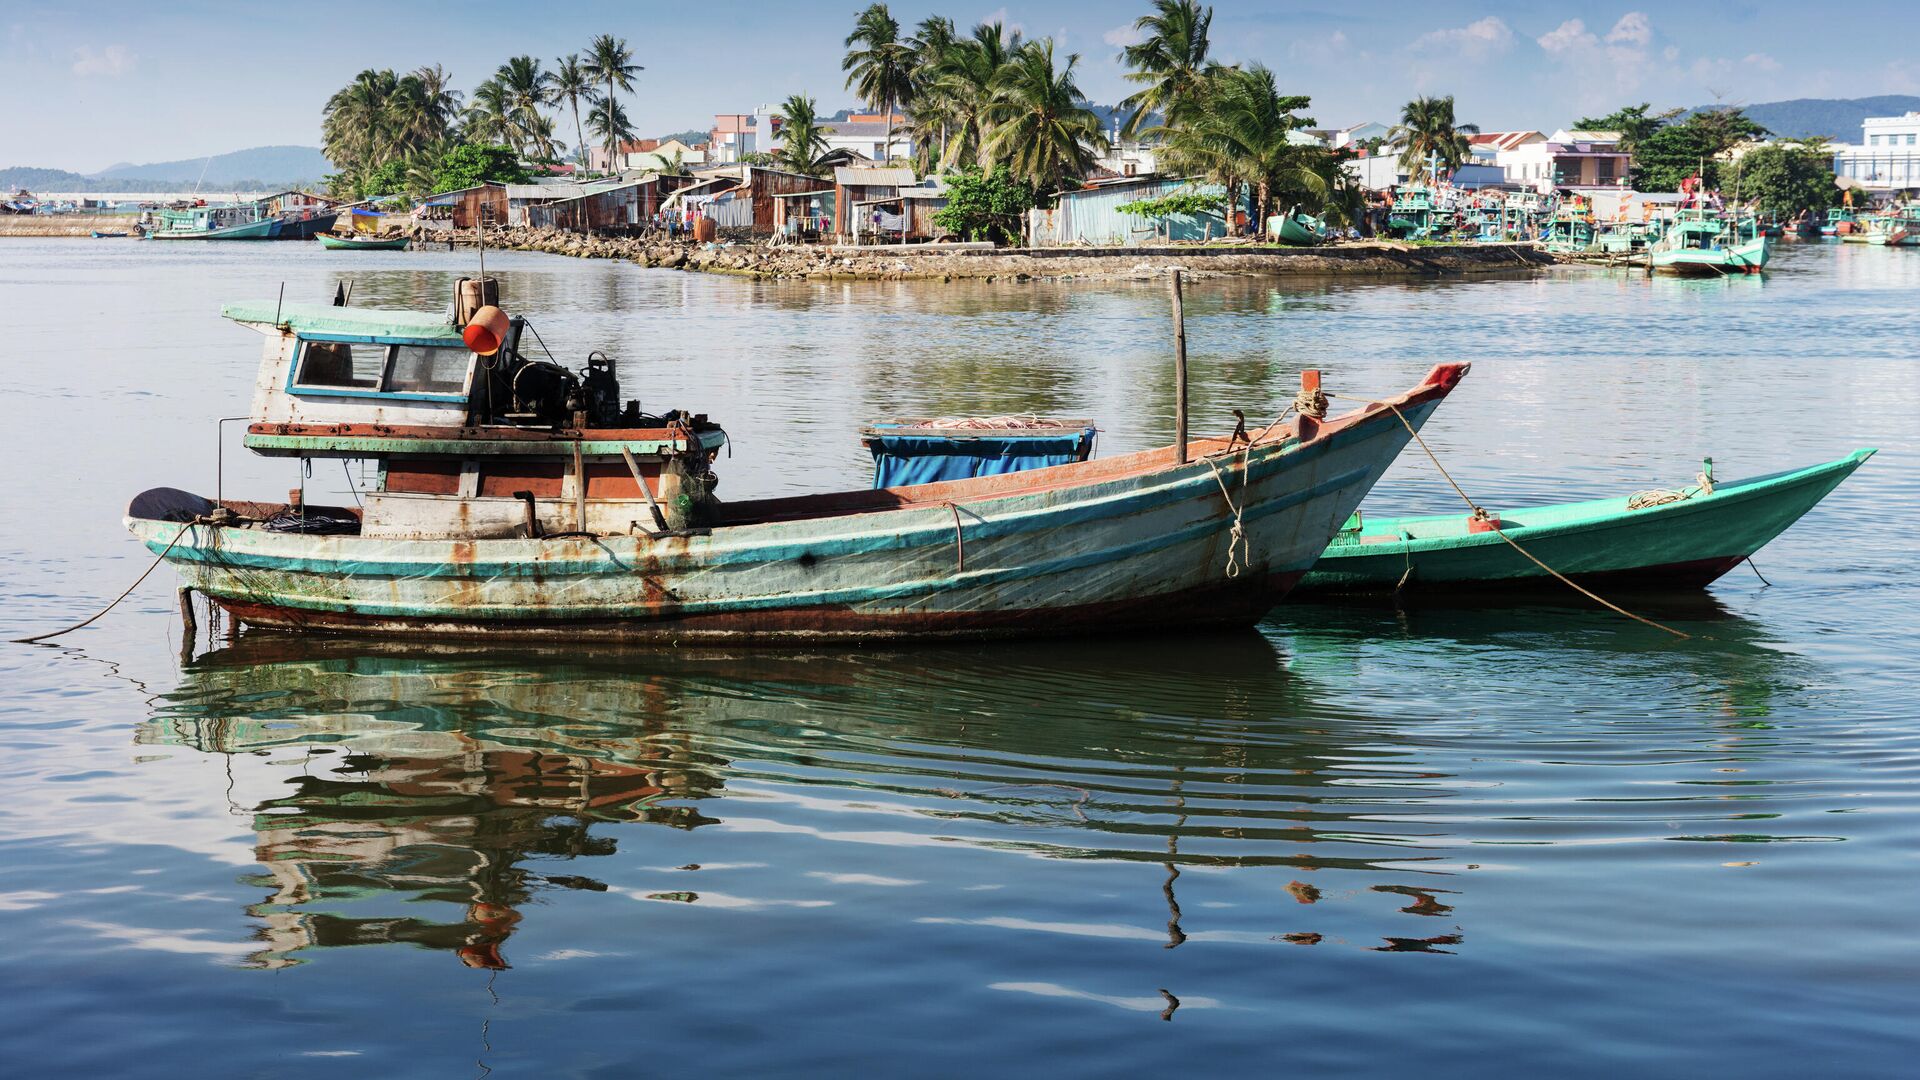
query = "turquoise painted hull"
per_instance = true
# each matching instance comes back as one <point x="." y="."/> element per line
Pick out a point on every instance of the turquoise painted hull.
<point x="257" y="230"/>
<point x="1300" y="229"/>
<point x="1747" y="257"/>
<point x="1135" y="543"/>
<point x="1685" y="544"/>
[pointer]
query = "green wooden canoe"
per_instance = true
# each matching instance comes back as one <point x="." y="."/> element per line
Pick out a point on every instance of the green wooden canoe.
<point x="1684" y="544"/>
<point x="354" y="243"/>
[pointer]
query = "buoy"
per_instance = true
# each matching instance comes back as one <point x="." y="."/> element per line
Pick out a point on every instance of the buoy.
<point x="487" y="331"/>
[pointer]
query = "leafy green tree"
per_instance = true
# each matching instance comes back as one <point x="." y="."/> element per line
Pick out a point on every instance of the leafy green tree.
<point x="1786" y="178"/>
<point x="611" y="63"/>
<point x="1171" y="62"/>
<point x="1428" y="130"/>
<point x="471" y="164"/>
<point x="381" y="117"/>
<point x="1680" y="149"/>
<point x="387" y="178"/>
<point x="985" y="205"/>
<point x="1634" y="123"/>
<point x="802" y="140"/>
<point x="573" y="83"/>
<point x="878" y="64"/>
<point x="1041" y="128"/>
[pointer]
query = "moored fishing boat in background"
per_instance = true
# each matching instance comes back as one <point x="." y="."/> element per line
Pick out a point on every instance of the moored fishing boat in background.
<point x="1699" y="242"/>
<point x="240" y="221"/>
<point x="1896" y="226"/>
<point x="517" y="499"/>
<point x="1677" y="539"/>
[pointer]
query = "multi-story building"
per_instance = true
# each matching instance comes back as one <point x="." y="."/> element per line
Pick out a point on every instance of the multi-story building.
<point x="1888" y="157"/>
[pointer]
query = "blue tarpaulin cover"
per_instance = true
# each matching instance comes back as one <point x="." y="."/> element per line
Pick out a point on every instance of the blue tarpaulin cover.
<point x="899" y="460"/>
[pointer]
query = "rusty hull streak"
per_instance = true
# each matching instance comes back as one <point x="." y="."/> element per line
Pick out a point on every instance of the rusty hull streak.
<point x="1224" y="605"/>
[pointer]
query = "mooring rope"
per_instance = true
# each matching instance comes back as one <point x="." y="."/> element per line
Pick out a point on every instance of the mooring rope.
<point x="116" y="600"/>
<point x="1494" y="523"/>
<point x="1237" y="534"/>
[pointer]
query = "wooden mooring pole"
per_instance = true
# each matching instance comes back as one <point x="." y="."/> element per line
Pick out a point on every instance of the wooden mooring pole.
<point x="1179" y="369"/>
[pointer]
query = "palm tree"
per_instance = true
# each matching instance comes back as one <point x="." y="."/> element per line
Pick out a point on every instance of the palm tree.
<point x="1039" y="127"/>
<point x="964" y="83"/>
<point x="802" y="142"/>
<point x="881" y="69"/>
<point x="572" y="81"/>
<point x="489" y="115"/>
<point x="933" y="108"/>
<point x="527" y="89"/>
<point x="608" y="122"/>
<point x="440" y="103"/>
<point x="1236" y="131"/>
<point x="1427" y="130"/>
<point x="611" y="63"/>
<point x="1170" y="63"/>
<point x="355" y="121"/>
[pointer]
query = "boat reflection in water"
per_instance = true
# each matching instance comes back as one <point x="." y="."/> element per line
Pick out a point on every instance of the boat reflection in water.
<point x="481" y="779"/>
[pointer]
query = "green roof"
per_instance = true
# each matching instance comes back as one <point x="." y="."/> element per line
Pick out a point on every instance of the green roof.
<point x="327" y="319"/>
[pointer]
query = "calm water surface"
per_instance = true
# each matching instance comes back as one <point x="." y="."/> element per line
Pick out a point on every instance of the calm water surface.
<point x="1538" y="840"/>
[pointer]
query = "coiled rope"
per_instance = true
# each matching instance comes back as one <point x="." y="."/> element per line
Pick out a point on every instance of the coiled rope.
<point x="1494" y="523"/>
<point x="1238" y="551"/>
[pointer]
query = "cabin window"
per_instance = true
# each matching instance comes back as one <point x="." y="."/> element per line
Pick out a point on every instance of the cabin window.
<point x="427" y="369"/>
<point x="341" y="363"/>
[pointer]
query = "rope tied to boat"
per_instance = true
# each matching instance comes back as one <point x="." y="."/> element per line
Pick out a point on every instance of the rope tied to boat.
<point x="157" y="560"/>
<point x="959" y="539"/>
<point x="1493" y="522"/>
<point x="1310" y="402"/>
<point x="1238" y="551"/>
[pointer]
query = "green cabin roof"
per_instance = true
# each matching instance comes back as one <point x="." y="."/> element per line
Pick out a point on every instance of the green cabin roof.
<point x="357" y="322"/>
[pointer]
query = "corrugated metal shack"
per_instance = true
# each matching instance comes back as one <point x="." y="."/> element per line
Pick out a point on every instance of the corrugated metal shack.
<point x="521" y="196"/>
<point x="468" y="205"/>
<point x="854" y="185"/>
<point x="1092" y="216"/>
<point x="614" y="205"/>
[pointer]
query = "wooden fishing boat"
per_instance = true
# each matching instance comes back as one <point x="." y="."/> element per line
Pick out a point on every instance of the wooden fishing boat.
<point x="245" y="221"/>
<point x="1681" y="539"/>
<point x="1700" y="243"/>
<point x="334" y="242"/>
<point x="517" y="500"/>
<point x="1898" y="226"/>
<point x="99" y="234"/>
<point x="1294" y="227"/>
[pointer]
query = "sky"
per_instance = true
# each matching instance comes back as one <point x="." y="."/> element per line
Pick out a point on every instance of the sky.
<point x="91" y="83"/>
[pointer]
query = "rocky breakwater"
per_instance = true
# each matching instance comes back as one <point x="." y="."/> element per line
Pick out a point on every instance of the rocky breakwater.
<point x="936" y="263"/>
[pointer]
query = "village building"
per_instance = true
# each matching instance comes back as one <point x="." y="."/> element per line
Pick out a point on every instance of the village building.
<point x="1888" y="157"/>
<point x="646" y="155"/>
<point x="866" y="134"/>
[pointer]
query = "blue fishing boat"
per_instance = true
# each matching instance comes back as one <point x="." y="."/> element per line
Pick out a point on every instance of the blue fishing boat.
<point x="520" y="499"/>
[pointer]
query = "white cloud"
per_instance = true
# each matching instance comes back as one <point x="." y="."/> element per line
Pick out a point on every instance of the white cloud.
<point x="112" y="60"/>
<point x="1474" y="41"/>
<point x="1900" y="77"/>
<point x="1761" y="62"/>
<point x="999" y="15"/>
<point x="1566" y="37"/>
<point x="1634" y="28"/>
<point x="1124" y="35"/>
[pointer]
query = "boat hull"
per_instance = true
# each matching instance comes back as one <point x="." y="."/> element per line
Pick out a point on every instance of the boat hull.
<point x="1117" y="545"/>
<point x="337" y="243"/>
<point x="254" y="230"/>
<point x="1749" y="257"/>
<point x="1679" y="545"/>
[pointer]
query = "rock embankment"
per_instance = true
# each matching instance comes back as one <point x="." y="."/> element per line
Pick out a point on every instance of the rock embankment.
<point x="822" y="262"/>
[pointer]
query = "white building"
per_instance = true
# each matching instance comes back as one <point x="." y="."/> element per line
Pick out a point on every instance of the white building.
<point x="866" y="134"/>
<point x="1888" y="157"/>
<point x="1358" y="134"/>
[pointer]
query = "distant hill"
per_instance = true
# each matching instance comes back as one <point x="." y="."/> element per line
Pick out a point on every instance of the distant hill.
<point x="275" y="164"/>
<point x="26" y="176"/>
<point x="1834" y="118"/>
